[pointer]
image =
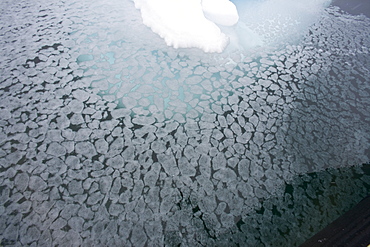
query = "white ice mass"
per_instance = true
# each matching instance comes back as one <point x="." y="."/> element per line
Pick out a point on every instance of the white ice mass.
<point x="194" y="23"/>
<point x="222" y="12"/>
<point x="183" y="24"/>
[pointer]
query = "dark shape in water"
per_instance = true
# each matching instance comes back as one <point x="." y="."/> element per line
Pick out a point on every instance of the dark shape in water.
<point x="351" y="229"/>
<point x="354" y="7"/>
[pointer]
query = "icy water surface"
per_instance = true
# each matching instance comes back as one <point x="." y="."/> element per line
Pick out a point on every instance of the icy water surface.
<point x="110" y="138"/>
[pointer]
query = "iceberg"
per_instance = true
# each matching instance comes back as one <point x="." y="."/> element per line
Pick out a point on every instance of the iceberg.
<point x="189" y="23"/>
<point x="211" y="25"/>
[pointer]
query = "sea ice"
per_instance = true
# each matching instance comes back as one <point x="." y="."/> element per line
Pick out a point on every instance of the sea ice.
<point x="21" y="181"/>
<point x="37" y="184"/>
<point x="56" y="149"/>
<point x="85" y="148"/>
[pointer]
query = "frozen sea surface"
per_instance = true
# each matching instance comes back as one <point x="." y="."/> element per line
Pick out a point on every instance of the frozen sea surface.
<point x="110" y="138"/>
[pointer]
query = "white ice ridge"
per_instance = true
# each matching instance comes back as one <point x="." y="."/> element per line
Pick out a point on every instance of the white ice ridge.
<point x="189" y="23"/>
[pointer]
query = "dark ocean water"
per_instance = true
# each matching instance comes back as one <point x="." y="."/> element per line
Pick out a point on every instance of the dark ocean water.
<point x="355" y="7"/>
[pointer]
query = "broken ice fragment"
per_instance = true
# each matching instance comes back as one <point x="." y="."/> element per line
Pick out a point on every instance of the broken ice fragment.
<point x="84" y="58"/>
